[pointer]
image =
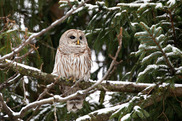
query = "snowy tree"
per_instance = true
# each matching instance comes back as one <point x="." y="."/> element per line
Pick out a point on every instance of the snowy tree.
<point x="136" y="53"/>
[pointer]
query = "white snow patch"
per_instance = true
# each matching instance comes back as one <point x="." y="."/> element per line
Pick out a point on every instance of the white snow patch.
<point x="171" y="2"/>
<point x="159" y="5"/>
<point x="137" y="108"/>
<point x="117" y="14"/>
<point x="141" y="5"/>
<point x="145" y="59"/>
<point x="86" y="117"/>
<point x="26" y="79"/>
<point x="101" y="111"/>
<point x="160" y="59"/>
<point x="104" y="47"/>
<point x="100" y="74"/>
<point x="101" y="57"/>
<point x="179" y="70"/>
<point x="27" y="93"/>
<point x="93" y="98"/>
<point x="149" y="67"/>
<point x="94" y="66"/>
<point x="107" y="99"/>
<point x="22" y="26"/>
<point x="114" y="8"/>
<point x="134" y="23"/>
<point x="164" y="85"/>
<point x="126" y="117"/>
<point x="27" y="4"/>
<point x="91" y="7"/>
<point x="100" y="3"/>
<point x="36" y="28"/>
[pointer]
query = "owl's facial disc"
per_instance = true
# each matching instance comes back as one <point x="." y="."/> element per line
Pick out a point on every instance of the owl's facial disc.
<point x="75" y="37"/>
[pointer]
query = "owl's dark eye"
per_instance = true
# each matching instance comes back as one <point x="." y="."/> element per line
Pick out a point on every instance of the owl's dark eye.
<point x="72" y="37"/>
<point x="80" y="37"/>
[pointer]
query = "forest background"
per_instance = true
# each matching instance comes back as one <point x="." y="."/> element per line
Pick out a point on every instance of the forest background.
<point x="136" y="52"/>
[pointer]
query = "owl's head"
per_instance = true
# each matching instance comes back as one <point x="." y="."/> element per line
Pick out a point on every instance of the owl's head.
<point x="73" y="37"/>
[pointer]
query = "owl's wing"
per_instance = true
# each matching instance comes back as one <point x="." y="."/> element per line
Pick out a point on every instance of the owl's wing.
<point x="55" y="70"/>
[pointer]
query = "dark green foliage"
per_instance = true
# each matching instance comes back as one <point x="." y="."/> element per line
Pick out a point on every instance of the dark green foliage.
<point x="151" y="51"/>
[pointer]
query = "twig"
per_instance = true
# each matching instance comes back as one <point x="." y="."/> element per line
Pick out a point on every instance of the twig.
<point x="24" y="91"/>
<point x="47" y="90"/>
<point x="26" y="54"/>
<point x="55" y="116"/>
<point x="6" y="21"/>
<point x="5" y="107"/>
<point x="10" y="80"/>
<point x="163" y="113"/>
<point x="173" y="27"/>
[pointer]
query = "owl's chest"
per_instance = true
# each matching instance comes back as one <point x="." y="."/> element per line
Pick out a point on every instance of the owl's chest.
<point x="76" y="66"/>
<point x="74" y="59"/>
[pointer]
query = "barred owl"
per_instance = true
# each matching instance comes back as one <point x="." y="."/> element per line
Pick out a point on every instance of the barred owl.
<point x="73" y="60"/>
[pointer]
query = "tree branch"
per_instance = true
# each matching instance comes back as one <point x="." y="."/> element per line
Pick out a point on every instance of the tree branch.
<point x="105" y="85"/>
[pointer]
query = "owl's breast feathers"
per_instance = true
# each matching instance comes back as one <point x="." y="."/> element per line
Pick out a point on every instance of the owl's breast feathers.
<point x="73" y="61"/>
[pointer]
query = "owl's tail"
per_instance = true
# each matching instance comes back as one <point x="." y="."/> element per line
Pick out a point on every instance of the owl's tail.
<point x="75" y="104"/>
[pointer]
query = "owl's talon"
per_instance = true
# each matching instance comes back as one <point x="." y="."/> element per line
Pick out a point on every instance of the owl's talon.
<point x="67" y="80"/>
<point x="71" y="79"/>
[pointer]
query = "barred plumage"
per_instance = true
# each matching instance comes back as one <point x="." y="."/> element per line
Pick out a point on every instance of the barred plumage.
<point x="73" y="60"/>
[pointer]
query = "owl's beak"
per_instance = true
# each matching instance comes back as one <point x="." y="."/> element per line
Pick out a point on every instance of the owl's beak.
<point x="78" y="42"/>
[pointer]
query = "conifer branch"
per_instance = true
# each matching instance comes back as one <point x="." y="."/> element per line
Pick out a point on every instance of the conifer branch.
<point x="169" y="63"/>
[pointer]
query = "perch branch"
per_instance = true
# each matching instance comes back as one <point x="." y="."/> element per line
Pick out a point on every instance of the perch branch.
<point x="105" y="85"/>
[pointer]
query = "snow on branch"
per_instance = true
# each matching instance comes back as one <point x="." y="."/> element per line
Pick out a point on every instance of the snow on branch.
<point x="143" y="99"/>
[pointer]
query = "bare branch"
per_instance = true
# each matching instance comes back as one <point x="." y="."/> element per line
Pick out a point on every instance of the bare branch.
<point x="5" y="106"/>
<point x="9" y="81"/>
